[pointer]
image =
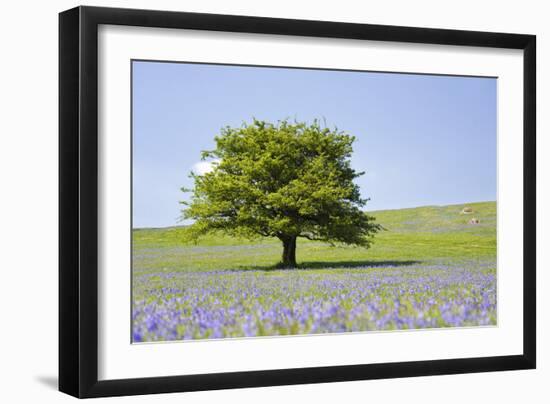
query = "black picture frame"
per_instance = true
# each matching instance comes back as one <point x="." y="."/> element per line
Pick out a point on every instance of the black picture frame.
<point x="78" y="201"/>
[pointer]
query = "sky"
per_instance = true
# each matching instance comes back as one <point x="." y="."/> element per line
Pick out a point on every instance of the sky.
<point x="421" y="139"/>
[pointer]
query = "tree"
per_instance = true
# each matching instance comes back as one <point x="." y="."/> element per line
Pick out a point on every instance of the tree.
<point x="284" y="180"/>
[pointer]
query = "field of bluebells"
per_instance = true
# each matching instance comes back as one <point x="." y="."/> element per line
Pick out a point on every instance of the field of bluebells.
<point x="429" y="269"/>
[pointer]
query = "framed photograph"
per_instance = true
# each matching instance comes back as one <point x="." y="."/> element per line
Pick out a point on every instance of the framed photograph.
<point x="250" y="201"/>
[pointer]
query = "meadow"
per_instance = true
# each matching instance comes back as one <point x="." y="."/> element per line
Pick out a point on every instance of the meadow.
<point x="429" y="268"/>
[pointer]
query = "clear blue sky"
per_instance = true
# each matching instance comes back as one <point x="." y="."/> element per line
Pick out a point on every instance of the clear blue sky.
<point x="422" y="139"/>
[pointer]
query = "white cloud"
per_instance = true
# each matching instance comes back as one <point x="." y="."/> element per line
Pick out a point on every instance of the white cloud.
<point x="203" y="167"/>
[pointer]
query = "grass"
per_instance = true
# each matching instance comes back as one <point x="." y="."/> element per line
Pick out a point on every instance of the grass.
<point x="432" y="233"/>
<point x="429" y="268"/>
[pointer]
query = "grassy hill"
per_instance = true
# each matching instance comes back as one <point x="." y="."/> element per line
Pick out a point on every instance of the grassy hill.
<point x="429" y="268"/>
<point x="423" y="234"/>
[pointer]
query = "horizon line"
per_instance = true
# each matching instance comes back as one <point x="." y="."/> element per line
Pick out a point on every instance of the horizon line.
<point x="370" y="212"/>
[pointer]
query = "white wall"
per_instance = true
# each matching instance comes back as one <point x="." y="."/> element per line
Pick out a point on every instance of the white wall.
<point x="28" y="202"/>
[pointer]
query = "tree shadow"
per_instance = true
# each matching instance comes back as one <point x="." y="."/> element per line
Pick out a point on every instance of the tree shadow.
<point x="368" y="264"/>
<point x="357" y="264"/>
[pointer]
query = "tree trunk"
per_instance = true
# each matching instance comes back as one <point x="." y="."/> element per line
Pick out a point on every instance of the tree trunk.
<point x="289" y="252"/>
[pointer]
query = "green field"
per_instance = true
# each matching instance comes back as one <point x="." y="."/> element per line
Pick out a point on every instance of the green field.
<point x="429" y="268"/>
<point x="426" y="234"/>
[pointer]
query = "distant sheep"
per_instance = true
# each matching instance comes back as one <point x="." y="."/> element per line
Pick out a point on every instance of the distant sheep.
<point x="467" y="211"/>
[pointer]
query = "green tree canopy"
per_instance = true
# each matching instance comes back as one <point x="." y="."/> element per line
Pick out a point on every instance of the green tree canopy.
<point x="284" y="180"/>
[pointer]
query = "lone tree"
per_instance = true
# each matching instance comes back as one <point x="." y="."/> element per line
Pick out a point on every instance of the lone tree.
<point x="284" y="180"/>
